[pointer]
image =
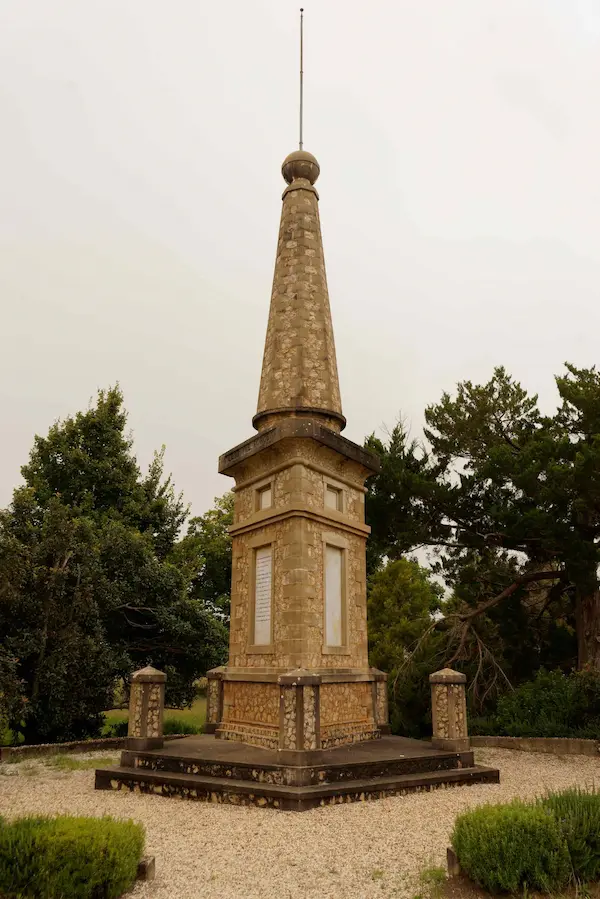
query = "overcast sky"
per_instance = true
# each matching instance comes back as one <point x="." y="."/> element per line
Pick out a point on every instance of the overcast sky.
<point x="140" y="190"/>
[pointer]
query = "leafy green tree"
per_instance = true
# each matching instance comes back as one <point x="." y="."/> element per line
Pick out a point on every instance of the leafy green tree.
<point x="12" y="701"/>
<point x="88" y="462"/>
<point x="90" y="586"/>
<point x="207" y="546"/>
<point x="512" y="639"/>
<point x="403" y="603"/>
<point x="50" y="621"/>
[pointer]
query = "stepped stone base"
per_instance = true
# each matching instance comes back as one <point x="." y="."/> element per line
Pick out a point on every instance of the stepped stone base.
<point x="206" y="769"/>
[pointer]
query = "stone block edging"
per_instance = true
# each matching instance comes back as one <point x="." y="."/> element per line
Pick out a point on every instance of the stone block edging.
<point x="552" y="745"/>
<point x="146" y="869"/>
<point x="16" y="753"/>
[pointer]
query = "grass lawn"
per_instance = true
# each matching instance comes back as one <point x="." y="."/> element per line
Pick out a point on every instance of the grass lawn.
<point x="196" y="715"/>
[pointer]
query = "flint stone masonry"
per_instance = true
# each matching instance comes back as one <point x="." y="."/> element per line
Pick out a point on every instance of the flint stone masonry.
<point x="146" y="709"/>
<point x="206" y="769"/>
<point x="449" y="710"/>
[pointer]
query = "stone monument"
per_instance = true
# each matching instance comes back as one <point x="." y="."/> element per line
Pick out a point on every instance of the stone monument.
<point x="298" y="639"/>
<point x="296" y="718"/>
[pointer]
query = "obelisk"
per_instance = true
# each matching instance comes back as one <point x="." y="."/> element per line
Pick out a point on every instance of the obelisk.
<point x="298" y="676"/>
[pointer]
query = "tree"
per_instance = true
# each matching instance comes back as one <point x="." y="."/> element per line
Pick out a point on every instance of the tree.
<point x="511" y="640"/>
<point x="208" y="543"/>
<point x="90" y="586"/>
<point x="396" y="498"/>
<point x="501" y="483"/>
<point x="50" y="621"/>
<point x="403" y="602"/>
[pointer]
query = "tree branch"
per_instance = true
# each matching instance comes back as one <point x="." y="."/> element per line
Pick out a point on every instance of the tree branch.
<point x="528" y="578"/>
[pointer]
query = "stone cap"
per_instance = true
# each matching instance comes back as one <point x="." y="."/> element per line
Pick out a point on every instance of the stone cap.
<point x="447" y="676"/>
<point x="216" y="673"/>
<point x="378" y="675"/>
<point x="300" y="677"/>
<point x="148" y="675"/>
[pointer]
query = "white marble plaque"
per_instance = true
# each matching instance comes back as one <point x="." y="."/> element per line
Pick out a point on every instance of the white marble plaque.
<point x="262" y="596"/>
<point x="265" y="498"/>
<point x="332" y="498"/>
<point x="334" y="567"/>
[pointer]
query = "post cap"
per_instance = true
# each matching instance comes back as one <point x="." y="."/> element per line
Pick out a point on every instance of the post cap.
<point x="148" y="675"/>
<point x="447" y="676"/>
<point x="216" y="673"/>
<point x="378" y="675"/>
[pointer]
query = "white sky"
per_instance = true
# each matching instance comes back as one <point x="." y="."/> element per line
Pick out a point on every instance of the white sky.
<point x="140" y="146"/>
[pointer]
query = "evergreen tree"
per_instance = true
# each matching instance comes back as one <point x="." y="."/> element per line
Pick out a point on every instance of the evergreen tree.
<point x="510" y="500"/>
<point x="90" y="586"/>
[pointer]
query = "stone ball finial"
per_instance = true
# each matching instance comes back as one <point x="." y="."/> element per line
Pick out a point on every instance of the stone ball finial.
<point x="300" y="164"/>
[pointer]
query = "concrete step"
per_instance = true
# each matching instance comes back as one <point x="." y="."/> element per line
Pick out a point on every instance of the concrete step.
<point x="243" y="792"/>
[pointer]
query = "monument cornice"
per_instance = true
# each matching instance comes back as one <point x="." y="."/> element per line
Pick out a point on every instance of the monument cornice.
<point x="296" y="427"/>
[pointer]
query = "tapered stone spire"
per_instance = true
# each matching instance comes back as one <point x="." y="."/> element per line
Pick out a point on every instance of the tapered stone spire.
<point x="299" y="373"/>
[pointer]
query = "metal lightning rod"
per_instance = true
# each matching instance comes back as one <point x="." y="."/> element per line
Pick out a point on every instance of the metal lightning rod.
<point x="301" y="72"/>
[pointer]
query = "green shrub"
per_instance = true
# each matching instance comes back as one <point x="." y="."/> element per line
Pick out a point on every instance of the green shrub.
<point x="171" y="726"/>
<point x="70" y="858"/>
<point x="116" y="729"/>
<point x="578" y="815"/>
<point x="505" y="847"/>
<point x="553" y="704"/>
<point x="180" y="726"/>
<point x="540" y="707"/>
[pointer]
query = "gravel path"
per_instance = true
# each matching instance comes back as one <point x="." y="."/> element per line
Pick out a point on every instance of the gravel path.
<point x="370" y="850"/>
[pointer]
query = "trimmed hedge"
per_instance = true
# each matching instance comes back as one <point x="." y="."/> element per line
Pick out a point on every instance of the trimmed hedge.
<point x="70" y="858"/>
<point x="542" y="845"/>
<point x="503" y="847"/>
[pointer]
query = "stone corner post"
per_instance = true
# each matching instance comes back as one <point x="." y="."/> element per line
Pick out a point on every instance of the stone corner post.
<point x="299" y="711"/>
<point x="449" y="710"/>
<point x="146" y="709"/>
<point x="380" y="701"/>
<point x="214" y="699"/>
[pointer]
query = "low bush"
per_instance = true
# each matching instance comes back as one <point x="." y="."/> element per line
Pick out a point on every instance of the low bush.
<point x="180" y="726"/>
<point x="507" y="847"/>
<point x="578" y="815"/>
<point x="171" y="726"/>
<point x="74" y="858"/>
<point x="553" y="704"/>
<point x="116" y="729"/>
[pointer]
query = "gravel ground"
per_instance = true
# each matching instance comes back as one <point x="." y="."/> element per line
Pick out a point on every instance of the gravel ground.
<point x="370" y="850"/>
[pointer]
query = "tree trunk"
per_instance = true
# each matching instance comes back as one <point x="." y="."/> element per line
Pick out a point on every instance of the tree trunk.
<point x="587" y="617"/>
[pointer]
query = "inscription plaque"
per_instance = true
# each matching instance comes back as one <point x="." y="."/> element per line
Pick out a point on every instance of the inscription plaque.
<point x="262" y="596"/>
